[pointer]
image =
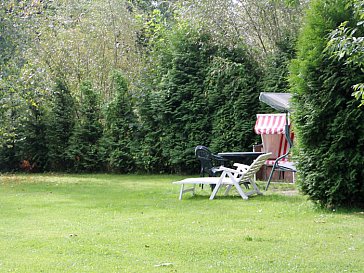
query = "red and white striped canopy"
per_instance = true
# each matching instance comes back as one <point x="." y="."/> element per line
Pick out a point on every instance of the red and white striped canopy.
<point x="269" y="124"/>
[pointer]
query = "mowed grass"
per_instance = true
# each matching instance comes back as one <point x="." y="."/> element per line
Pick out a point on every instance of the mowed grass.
<point x="134" y="223"/>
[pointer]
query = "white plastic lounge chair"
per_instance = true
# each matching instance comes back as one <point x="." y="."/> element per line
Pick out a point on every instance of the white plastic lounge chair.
<point x="229" y="178"/>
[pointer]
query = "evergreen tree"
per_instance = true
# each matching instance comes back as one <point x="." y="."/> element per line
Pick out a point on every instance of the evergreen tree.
<point x="149" y="154"/>
<point x="60" y="124"/>
<point x="328" y="122"/>
<point x="11" y="121"/>
<point x="185" y="118"/>
<point x="198" y="94"/>
<point x="22" y="133"/>
<point x="120" y="125"/>
<point x="276" y="74"/>
<point x="84" y="150"/>
<point x="33" y="148"/>
<point x="232" y="87"/>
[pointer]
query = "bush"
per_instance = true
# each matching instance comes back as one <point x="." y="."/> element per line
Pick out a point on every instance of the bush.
<point x="233" y="92"/>
<point x="84" y="148"/>
<point x="328" y="123"/>
<point x="174" y="112"/>
<point x="275" y="78"/>
<point x="197" y="93"/>
<point x="60" y="125"/>
<point x="118" y="141"/>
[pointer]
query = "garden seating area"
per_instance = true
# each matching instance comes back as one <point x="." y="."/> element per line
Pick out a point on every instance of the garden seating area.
<point x="242" y="174"/>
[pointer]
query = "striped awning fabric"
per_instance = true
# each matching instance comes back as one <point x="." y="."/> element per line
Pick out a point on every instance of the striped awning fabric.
<point x="270" y="124"/>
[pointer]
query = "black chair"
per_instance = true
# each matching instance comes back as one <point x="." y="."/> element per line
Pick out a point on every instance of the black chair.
<point x="209" y="161"/>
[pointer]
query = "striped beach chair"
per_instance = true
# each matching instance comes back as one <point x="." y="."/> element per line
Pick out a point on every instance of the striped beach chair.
<point x="277" y="138"/>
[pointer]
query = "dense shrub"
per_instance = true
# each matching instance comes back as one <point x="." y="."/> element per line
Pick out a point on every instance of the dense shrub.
<point x="33" y="148"/>
<point x="10" y="122"/>
<point x="60" y="125"/>
<point x="197" y="93"/>
<point x="328" y="123"/>
<point x="232" y="88"/>
<point x="84" y="147"/>
<point x="149" y="155"/>
<point x="22" y="134"/>
<point x="275" y="78"/>
<point x="185" y="119"/>
<point x="118" y="142"/>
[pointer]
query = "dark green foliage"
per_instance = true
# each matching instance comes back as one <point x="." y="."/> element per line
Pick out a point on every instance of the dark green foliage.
<point x="347" y="43"/>
<point x="149" y="155"/>
<point x="22" y="129"/>
<point x="185" y="118"/>
<point x="33" y="148"/>
<point x="198" y="94"/>
<point x="120" y="125"/>
<point x="60" y="124"/>
<point x="10" y="122"/>
<point x="328" y="123"/>
<point x="174" y="110"/>
<point x="84" y="150"/>
<point x="232" y="87"/>
<point x="23" y="144"/>
<point x="275" y="78"/>
<point x="12" y="109"/>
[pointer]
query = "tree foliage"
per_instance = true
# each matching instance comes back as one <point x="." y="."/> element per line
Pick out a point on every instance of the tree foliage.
<point x="183" y="103"/>
<point x="199" y="93"/>
<point x="84" y="144"/>
<point x="262" y="24"/>
<point x="275" y="77"/>
<point x="60" y="125"/>
<point x="119" y="138"/>
<point x="347" y="43"/>
<point x="328" y="124"/>
<point x="233" y="91"/>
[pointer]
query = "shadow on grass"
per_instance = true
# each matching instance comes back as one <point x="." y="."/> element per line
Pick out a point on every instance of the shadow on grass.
<point x="272" y="197"/>
<point x="357" y="212"/>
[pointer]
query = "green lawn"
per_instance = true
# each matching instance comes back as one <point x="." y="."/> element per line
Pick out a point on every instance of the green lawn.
<point x="131" y="223"/>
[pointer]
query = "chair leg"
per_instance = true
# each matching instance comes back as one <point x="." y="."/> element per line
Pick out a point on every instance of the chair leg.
<point x="181" y="192"/>
<point x="270" y="178"/>
<point x="252" y="182"/>
<point x="237" y="186"/>
<point x="216" y="189"/>
<point x="240" y="191"/>
<point x="294" y="177"/>
<point x="228" y="188"/>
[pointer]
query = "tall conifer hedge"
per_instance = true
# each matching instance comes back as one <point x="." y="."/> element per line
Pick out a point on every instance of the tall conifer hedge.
<point x="233" y="90"/>
<point x="198" y="93"/>
<point x="60" y="125"/>
<point x="118" y="141"/>
<point x="328" y="123"/>
<point x="84" y="143"/>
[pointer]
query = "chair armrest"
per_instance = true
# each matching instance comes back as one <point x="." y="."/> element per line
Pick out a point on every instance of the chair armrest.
<point x="241" y="166"/>
<point x="222" y="168"/>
